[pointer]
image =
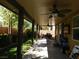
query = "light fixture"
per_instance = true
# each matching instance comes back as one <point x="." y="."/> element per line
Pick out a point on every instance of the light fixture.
<point x="54" y="14"/>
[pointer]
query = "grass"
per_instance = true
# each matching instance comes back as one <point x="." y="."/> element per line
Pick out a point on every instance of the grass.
<point x="11" y="53"/>
<point x="26" y="46"/>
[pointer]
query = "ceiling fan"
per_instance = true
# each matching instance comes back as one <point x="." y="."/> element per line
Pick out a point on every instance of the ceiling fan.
<point x="58" y="12"/>
<point x="55" y="11"/>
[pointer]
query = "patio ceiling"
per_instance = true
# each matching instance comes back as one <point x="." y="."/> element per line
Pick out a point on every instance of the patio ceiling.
<point x="36" y="8"/>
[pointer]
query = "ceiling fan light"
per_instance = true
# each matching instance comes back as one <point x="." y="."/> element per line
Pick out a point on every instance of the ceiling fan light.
<point x="55" y="14"/>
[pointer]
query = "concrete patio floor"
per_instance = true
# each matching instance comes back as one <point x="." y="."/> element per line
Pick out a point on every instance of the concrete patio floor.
<point x="54" y="52"/>
<point x="44" y="49"/>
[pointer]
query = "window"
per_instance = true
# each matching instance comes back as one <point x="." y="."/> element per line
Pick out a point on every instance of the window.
<point x="75" y="27"/>
<point x="8" y="21"/>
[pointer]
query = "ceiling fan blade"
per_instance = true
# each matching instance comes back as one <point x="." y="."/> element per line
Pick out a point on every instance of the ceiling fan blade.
<point x="65" y="10"/>
<point x="61" y="15"/>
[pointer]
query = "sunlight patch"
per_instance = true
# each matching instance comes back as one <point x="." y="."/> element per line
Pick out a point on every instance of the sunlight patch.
<point x="39" y="51"/>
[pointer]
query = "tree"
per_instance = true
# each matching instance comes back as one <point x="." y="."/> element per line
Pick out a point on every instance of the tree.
<point x="10" y="19"/>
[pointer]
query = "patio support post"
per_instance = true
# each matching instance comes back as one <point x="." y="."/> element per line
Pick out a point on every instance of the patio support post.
<point x="51" y="27"/>
<point x="37" y="31"/>
<point x="32" y="32"/>
<point x="55" y="31"/>
<point x="20" y="34"/>
<point x="37" y="27"/>
<point x="62" y="29"/>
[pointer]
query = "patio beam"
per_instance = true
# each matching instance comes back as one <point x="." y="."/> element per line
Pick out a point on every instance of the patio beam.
<point x="18" y="6"/>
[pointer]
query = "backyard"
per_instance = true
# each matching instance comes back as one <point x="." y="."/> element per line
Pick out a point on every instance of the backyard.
<point x="9" y="36"/>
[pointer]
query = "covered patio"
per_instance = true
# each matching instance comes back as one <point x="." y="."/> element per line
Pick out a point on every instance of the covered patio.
<point x="52" y="16"/>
